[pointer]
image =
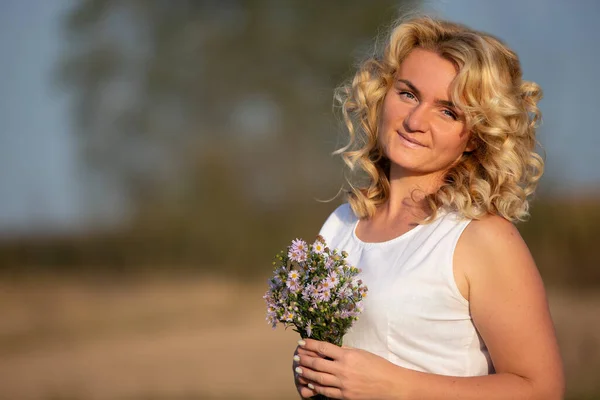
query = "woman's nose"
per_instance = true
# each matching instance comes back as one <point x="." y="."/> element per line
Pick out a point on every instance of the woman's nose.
<point x="417" y="120"/>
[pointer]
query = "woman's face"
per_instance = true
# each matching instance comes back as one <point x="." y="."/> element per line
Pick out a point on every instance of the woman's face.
<point x="421" y="131"/>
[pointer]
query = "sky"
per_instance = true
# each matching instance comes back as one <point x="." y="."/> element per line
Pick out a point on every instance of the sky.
<point x="558" y="44"/>
<point x="40" y="188"/>
<point x="38" y="181"/>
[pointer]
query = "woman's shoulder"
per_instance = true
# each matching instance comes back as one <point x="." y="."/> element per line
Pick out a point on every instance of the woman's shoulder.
<point x="492" y="232"/>
<point x="491" y="254"/>
<point x="341" y="218"/>
<point x="343" y="213"/>
<point x="492" y="242"/>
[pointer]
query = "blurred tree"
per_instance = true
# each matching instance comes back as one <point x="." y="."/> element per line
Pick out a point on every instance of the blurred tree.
<point x="214" y="119"/>
<point x="169" y="95"/>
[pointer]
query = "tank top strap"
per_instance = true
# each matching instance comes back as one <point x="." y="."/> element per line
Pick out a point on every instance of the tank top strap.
<point x="446" y="233"/>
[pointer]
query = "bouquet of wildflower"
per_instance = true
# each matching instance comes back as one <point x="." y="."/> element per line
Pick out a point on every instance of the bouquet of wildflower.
<point x="314" y="291"/>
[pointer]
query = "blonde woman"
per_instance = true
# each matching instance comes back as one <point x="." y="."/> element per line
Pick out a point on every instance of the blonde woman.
<point x="442" y="128"/>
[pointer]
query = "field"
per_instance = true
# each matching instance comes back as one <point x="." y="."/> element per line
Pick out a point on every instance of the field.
<point x="189" y="338"/>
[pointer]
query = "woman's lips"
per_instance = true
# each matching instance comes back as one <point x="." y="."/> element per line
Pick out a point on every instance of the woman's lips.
<point x="410" y="142"/>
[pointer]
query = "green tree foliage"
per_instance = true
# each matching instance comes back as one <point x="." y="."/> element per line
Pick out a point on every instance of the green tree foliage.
<point x="214" y="118"/>
<point x="161" y="85"/>
<point x="562" y="235"/>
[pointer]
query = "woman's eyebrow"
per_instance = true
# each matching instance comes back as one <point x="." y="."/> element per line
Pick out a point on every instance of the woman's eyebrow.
<point x="411" y="86"/>
<point x="445" y="103"/>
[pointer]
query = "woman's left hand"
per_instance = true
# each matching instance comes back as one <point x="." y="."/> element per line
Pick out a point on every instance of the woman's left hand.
<point x="349" y="374"/>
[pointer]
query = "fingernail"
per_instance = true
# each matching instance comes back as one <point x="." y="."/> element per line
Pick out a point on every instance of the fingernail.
<point x="298" y="370"/>
<point x="301" y="343"/>
<point x="296" y="358"/>
<point x="311" y="386"/>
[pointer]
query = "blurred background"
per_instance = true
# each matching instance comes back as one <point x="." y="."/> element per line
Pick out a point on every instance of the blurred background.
<point x="155" y="155"/>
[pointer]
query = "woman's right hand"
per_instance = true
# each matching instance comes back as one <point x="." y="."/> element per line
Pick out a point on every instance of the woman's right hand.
<point x="301" y="383"/>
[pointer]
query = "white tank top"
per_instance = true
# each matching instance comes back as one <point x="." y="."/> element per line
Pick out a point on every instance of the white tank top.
<point x="414" y="315"/>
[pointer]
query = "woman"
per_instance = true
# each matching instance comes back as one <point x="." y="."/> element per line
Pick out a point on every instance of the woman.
<point x="443" y="129"/>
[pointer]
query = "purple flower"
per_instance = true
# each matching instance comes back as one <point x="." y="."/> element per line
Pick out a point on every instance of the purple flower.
<point x="325" y="285"/>
<point x="308" y="291"/>
<point x="289" y="316"/>
<point x="294" y="275"/>
<point x="272" y="320"/>
<point x="363" y="291"/>
<point x="314" y="292"/>
<point x="330" y="263"/>
<point x="314" y="282"/>
<point x="332" y="278"/>
<point x="325" y="295"/>
<point x="275" y="283"/>
<point x="359" y="307"/>
<point x="297" y="250"/>
<point x="299" y="245"/>
<point x="301" y="257"/>
<point x="271" y="313"/>
<point x="294" y="286"/>
<point x="318" y="247"/>
<point x="283" y="296"/>
<point x="355" y="309"/>
<point x="345" y="291"/>
<point x="293" y="255"/>
<point x="271" y="302"/>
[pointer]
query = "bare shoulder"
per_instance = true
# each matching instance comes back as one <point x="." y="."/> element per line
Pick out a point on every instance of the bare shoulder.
<point x="491" y="250"/>
<point x="508" y="303"/>
<point x="492" y="241"/>
<point x="492" y="233"/>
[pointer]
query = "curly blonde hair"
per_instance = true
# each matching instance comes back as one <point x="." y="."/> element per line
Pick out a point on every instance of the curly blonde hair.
<point x="500" y="110"/>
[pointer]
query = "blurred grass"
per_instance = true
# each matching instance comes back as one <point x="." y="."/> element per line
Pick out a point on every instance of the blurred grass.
<point x="190" y="337"/>
<point x="562" y="235"/>
<point x="185" y="337"/>
<point x="170" y="308"/>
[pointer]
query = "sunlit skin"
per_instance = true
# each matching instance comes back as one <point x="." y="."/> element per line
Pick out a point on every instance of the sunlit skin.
<point x="423" y="135"/>
<point x="421" y="132"/>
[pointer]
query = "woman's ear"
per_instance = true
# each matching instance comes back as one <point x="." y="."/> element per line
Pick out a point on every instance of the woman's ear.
<point x="472" y="144"/>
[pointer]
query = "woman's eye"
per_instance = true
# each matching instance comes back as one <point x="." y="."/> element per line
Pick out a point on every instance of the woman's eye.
<point x="407" y="95"/>
<point x="450" y="114"/>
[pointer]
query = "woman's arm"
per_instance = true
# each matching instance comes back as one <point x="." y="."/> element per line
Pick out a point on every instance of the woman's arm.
<point x="509" y="308"/>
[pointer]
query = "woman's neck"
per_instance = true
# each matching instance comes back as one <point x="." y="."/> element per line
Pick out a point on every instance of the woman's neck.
<point x="407" y="194"/>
